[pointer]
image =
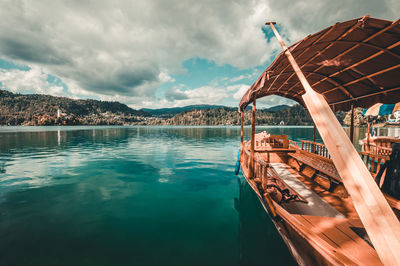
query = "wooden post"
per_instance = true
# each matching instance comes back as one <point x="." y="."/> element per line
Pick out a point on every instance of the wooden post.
<point x="241" y="129"/>
<point x="368" y="134"/>
<point x="253" y="141"/>
<point x="314" y="137"/>
<point x="352" y="124"/>
<point x="380" y="222"/>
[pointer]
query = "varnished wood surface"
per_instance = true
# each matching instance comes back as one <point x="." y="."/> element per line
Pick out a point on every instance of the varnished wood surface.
<point x="320" y="240"/>
<point x="379" y="220"/>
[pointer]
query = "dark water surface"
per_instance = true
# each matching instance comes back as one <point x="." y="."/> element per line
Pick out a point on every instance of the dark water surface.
<point x="131" y="196"/>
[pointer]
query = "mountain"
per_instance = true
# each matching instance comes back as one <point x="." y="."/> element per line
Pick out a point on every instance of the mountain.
<point x="276" y="108"/>
<point x="170" y="112"/>
<point x="43" y="104"/>
<point x="37" y="109"/>
<point x="290" y="115"/>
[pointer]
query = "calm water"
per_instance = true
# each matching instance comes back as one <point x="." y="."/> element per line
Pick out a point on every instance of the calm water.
<point x="131" y="196"/>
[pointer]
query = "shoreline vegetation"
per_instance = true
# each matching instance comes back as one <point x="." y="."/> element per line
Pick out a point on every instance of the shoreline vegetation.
<point x="46" y="110"/>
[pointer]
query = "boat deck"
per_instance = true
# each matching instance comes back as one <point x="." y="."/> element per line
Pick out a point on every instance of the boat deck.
<point x="327" y="218"/>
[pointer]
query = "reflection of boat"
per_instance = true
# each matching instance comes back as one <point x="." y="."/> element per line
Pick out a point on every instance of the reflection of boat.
<point x="322" y="198"/>
<point x="258" y="240"/>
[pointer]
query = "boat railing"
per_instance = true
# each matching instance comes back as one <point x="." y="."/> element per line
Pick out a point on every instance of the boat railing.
<point x="374" y="162"/>
<point x="376" y="149"/>
<point x="315" y="147"/>
<point x="260" y="171"/>
<point x="246" y="156"/>
<point x="293" y="144"/>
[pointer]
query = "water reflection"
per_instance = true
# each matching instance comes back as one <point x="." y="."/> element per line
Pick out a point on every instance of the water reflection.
<point x="106" y="196"/>
<point x="255" y="234"/>
<point x="34" y="158"/>
<point x="119" y="195"/>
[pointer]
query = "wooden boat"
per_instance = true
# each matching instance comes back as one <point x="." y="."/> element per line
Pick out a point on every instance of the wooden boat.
<point x="381" y="145"/>
<point x="323" y="198"/>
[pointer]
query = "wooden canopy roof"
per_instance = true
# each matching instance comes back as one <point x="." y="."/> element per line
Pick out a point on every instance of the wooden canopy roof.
<point x="353" y="62"/>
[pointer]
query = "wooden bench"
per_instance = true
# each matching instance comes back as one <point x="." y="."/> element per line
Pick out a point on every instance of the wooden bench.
<point x="325" y="166"/>
<point x="266" y="142"/>
<point x="272" y="144"/>
<point x="320" y="165"/>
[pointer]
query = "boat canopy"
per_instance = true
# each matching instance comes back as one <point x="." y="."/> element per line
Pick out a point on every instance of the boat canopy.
<point x="356" y="62"/>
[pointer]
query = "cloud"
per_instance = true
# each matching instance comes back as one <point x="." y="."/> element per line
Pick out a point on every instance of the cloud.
<point x="33" y="80"/>
<point x="274" y="100"/>
<point x="301" y="18"/>
<point x="203" y="95"/>
<point x="127" y="49"/>
<point x="241" y="89"/>
<point x="175" y="94"/>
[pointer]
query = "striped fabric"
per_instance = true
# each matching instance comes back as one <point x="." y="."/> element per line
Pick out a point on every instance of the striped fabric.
<point x="381" y="109"/>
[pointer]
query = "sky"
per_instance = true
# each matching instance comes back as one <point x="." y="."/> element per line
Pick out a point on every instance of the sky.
<point x="157" y="53"/>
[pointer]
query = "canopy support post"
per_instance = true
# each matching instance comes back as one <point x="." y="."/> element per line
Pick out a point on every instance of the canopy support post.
<point x="252" y="144"/>
<point x="314" y="137"/>
<point x="368" y="132"/>
<point x="241" y="129"/>
<point x="352" y="124"/>
<point x="375" y="213"/>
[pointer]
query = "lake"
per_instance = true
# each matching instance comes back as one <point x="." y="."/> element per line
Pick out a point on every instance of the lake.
<point x="132" y="196"/>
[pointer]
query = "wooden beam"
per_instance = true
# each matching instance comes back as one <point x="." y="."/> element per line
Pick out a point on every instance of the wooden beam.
<point x="253" y="141"/>
<point x="352" y="124"/>
<point x="366" y="77"/>
<point x="314" y="137"/>
<point x="366" y="96"/>
<point x="351" y="29"/>
<point x="304" y="51"/>
<point x="393" y="24"/>
<point x="356" y="64"/>
<point x="241" y="129"/>
<point x="368" y="132"/>
<point x="373" y="46"/>
<point x="324" y="77"/>
<point x="380" y="222"/>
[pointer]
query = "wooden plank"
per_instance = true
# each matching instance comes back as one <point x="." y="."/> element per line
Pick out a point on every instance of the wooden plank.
<point x="305" y="50"/>
<point x="241" y="129"/>
<point x="375" y="213"/>
<point x="355" y="26"/>
<point x="352" y="124"/>
<point x="338" y="231"/>
<point x="253" y="133"/>
<point x="366" y="96"/>
<point x="317" y="163"/>
<point x="364" y="77"/>
<point x="318" y="232"/>
<point x="351" y="49"/>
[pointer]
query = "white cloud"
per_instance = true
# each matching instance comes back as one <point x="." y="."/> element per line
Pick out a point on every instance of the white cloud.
<point x="241" y="89"/>
<point x="201" y="95"/>
<point x="127" y="49"/>
<point x="33" y="80"/>
<point x="301" y="18"/>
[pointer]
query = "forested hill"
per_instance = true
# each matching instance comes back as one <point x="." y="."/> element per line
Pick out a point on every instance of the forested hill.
<point x="170" y="112"/>
<point x="39" y="104"/>
<point x="290" y="115"/>
<point x="17" y="108"/>
<point x="37" y="109"/>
